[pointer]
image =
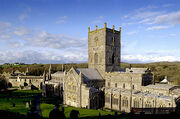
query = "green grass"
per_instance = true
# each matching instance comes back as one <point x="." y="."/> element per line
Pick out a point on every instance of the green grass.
<point x="46" y="108"/>
<point x="20" y="97"/>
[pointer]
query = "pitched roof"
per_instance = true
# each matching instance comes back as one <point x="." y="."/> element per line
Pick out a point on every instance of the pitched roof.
<point x="89" y="73"/>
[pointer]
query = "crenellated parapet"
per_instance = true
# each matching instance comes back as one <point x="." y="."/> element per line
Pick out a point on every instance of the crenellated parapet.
<point x="105" y="28"/>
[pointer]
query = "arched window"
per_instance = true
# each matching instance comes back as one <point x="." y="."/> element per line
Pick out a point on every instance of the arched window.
<point x="116" y="85"/>
<point x="107" y="98"/>
<point x="125" y="102"/>
<point x="132" y="86"/>
<point x="96" y="58"/>
<point x="113" y="58"/>
<point x="148" y="104"/>
<point x="90" y="58"/>
<point x="162" y="105"/>
<point x="109" y="84"/>
<point x="136" y="103"/>
<point x="96" y="41"/>
<point x="115" y="99"/>
<point x="124" y="85"/>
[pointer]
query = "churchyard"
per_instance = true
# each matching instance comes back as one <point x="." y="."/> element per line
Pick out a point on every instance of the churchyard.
<point x="19" y="101"/>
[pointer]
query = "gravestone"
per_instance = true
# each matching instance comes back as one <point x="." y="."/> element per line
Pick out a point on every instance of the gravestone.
<point x="27" y="104"/>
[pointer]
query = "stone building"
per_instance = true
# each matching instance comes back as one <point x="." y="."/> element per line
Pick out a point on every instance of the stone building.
<point x="23" y="80"/>
<point x="79" y="87"/>
<point x="53" y="84"/>
<point x="104" y="83"/>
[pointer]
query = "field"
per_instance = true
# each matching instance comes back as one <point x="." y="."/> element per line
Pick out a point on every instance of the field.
<point x="20" y="98"/>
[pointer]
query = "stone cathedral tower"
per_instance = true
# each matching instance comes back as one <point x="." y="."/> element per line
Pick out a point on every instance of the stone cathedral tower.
<point x="104" y="47"/>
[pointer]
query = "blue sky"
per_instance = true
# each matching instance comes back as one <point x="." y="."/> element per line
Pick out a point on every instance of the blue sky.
<point x="55" y="31"/>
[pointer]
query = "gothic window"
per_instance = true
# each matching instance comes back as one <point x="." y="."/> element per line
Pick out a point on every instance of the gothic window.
<point x="90" y="58"/>
<point x="115" y="100"/>
<point x="161" y="105"/>
<point x="117" y="60"/>
<point x="124" y="85"/>
<point x="116" y="85"/>
<point x="148" y="104"/>
<point x="125" y="102"/>
<point x="113" y="58"/>
<point x="109" y="60"/>
<point x="136" y="103"/>
<point x="132" y="86"/>
<point x="108" y="84"/>
<point x="96" y="58"/>
<point x="107" y="98"/>
<point x="96" y="41"/>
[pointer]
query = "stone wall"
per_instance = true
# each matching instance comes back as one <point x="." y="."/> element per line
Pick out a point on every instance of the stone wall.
<point x="26" y="81"/>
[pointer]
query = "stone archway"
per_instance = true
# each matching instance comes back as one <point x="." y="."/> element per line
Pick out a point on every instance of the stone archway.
<point x="10" y="85"/>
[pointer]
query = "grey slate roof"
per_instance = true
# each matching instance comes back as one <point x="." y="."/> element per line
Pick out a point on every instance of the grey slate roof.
<point x="89" y="73"/>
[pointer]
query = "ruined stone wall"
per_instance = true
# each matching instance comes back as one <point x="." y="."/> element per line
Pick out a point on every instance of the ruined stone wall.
<point x="26" y="81"/>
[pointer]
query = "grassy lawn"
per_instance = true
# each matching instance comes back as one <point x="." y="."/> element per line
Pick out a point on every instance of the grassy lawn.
<point x="20" y="97"/>
<point x="46" y="108"/>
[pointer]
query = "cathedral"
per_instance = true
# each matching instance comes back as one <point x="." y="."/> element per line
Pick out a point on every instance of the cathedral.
<point x="104" y="84"/>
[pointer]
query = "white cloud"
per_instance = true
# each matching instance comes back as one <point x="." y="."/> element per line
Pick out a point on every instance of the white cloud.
<point x="5" y="24"/>
<point x="170" y="18"/>
<point x="156" y="28"/>
<point x="21" y="31"/>
<point x="5" y="30"/>
<point x="5" y="36"/>
<point x="151" y="15"/>
<point x="56" y="41"/>
<point x="62" y="19"/>
<point x="31" y="56"/>
<point x="138" y="58"/>
<point x="25" y="37"/>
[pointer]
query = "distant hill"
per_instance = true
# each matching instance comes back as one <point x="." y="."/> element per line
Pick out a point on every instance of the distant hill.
<point x="160" y="69"/>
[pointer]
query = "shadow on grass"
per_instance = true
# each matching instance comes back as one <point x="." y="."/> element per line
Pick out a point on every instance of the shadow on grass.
<point x="121" y="116"/>
<point x="11" y="115"/>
